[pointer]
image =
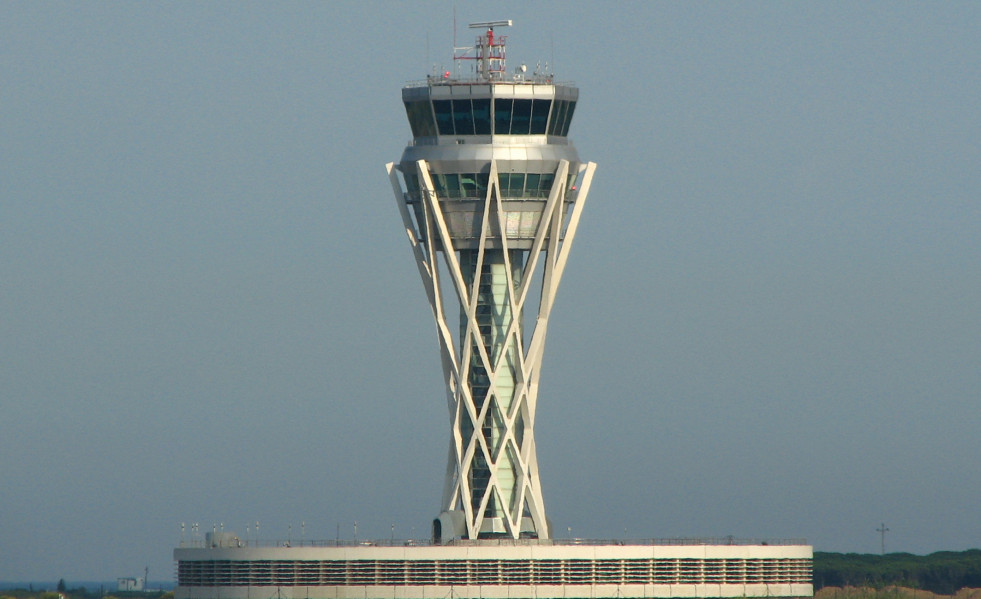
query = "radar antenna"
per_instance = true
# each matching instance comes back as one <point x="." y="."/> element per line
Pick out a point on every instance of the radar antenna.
<point x="490" y="51"/>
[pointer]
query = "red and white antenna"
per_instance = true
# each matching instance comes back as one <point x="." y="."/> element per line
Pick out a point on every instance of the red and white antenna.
<point x="489" y="51"/>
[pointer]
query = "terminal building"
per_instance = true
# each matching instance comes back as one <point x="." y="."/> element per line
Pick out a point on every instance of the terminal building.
<point x="490" y="190"/>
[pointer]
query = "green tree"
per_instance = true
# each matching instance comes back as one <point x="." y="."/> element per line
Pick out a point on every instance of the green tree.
<point x="61" y="586"/>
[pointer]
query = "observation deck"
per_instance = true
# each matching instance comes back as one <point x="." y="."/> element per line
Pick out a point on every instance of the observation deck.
<point x="490" y="102"/>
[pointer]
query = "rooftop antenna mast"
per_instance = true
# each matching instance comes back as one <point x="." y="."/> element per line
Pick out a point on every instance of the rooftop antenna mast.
<point x="490" y="50"/>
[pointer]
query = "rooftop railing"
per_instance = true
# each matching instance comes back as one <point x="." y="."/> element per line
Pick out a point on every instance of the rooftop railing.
<point x="515" y="80"/>
<point x="684" y="541"/>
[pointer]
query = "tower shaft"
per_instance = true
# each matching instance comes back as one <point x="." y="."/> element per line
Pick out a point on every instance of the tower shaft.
<point x="490" y="191"/>
<point x="489" y="282"/>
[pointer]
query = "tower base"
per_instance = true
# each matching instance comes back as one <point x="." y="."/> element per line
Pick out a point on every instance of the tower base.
<point x="502" y="569"/>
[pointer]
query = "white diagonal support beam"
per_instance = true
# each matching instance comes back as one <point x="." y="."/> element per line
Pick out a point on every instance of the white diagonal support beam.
<point x="492" y="376"/>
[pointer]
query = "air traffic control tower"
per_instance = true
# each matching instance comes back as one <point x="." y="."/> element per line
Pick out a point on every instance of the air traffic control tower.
<point x="491" y="192"/>
<point x="490" y="189"/>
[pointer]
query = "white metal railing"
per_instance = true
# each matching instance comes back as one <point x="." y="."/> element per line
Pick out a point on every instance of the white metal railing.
<point x="683" y="541"/>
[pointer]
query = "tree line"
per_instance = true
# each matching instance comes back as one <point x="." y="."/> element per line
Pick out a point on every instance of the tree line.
<point x="81" y="593"/>
<point x="944" y="572"/>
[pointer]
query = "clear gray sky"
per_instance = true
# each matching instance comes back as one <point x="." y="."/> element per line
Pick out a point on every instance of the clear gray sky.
<point x="770" y="325"/>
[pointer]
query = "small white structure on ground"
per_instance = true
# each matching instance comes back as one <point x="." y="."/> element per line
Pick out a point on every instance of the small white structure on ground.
<point x="130" y="584"/>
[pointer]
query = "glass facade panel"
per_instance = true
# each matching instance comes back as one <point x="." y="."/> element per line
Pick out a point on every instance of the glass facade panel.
<point x="452" y="186"/>
<point x="502" y="115"/>
<point x="458" y="185"/>
<point x="516" y="186"/>
<point x="531" y="185"/>
<point x="469" y="184"/>
<point x="463" y="117"/>
<point x="413" y="122"/>
<point x="539" y="116"/>
<point x="439" y="182"/>
<point x="546" y="183"/>
<point x="568" y="119"/>
<point x="481" y="116"/>
<point x="560" y="124"/>
<point x="420" y="118"/>
<point x="444" y="116"/>
<point x="412" y="185"/>
<point x="481" y="179"/>
<point x="473" y="117"/>
<point x="504" y="182"/>
<point x="521" y="117"/>
<point x="558" y="115"/>
<point x="415" y="572"/>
